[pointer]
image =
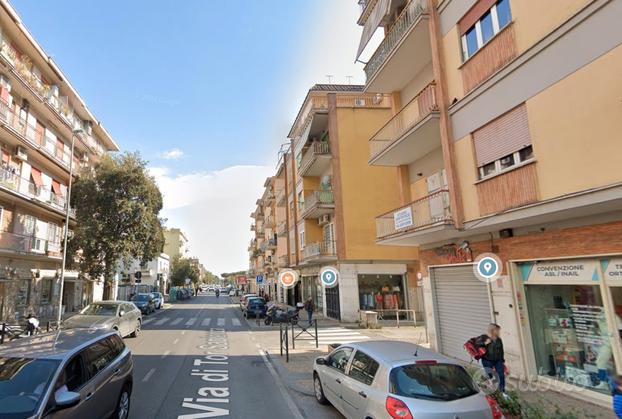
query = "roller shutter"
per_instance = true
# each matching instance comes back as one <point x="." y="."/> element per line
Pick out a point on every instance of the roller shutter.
<point x="462" y="308"/>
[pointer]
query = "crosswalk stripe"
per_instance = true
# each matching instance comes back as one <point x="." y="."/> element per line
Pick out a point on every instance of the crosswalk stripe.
<point x="236" y="322"/>
<point x="161" y="321"/>
<point x="221" y="321"/>
<point x="147" y="321"/>
<point x="191" y="321"/>
<point x="176" y="321"/>
<point x="206" y="322"/>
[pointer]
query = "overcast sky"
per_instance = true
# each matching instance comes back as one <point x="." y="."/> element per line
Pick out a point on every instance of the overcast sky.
<point x="206" y="90"/>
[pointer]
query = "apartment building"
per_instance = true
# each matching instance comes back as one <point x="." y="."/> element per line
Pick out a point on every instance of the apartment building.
<point x="175" y="243"/>
<point x="40" y="115"/>
<point x="506" y="134"/>
<point x="154" y="276"/>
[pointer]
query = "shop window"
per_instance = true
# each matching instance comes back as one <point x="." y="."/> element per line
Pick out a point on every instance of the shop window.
<point x="491" y="22"/>
<point x="23" y="293"/>
<point x="381" y="292"/>
<point x="570" y="334"/>
<point x="46" y="291"/>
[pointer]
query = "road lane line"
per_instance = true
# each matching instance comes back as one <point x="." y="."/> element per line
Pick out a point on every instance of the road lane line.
<point x="183" y="332"/>
<point x="176" y="321"/>
<point x="221" y="321"/>
<point x="206" y="322"/>
<point x="191" y="321"/>
<point x="288" y="399"/>
<point x="165" y="354"/>
<point x="147" y="321"/>
<point x="236" y="322"/>
<point x="148" y="375"/>
<point x="176" y="341"/>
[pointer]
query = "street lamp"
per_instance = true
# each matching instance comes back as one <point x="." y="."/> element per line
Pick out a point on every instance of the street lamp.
<point x="67" y="211"/>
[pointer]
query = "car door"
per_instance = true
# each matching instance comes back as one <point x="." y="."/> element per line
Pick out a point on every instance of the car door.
<point x="356" y="386"/>
<point x="98" y="357"/>
<point x="128" y="319"/>
<point x="333" y="376"/>
<point x="73" y="377"/>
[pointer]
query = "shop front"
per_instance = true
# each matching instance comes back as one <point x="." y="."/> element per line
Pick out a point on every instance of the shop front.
<point x="571" y="319"/>
<point x="382" y="293"/>
<point x="311" y="288"/>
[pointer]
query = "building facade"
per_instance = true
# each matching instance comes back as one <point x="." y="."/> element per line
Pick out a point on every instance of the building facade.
<point x="40" y="115"/>
<point x="154" y="277"/>
<point x="175" y="243"/>
<point x="505" y="137"/>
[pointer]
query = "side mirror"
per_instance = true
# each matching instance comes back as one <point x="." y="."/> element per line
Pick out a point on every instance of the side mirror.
<point x="320" y="361"/>
<point x="66" y="399"/>
<point x="121" y="313"/>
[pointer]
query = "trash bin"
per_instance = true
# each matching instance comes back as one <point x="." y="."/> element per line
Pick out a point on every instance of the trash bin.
<point x="371" y="319"/>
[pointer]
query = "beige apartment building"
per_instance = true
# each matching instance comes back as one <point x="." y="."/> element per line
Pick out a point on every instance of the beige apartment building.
<point x="175" y="243"/>
<point x="40" y="113"/>
<point x="506" y="138"/>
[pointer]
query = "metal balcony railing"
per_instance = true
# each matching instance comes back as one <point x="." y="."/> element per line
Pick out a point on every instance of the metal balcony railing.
<point x="402" y="25"/>
<point x="319" y="249"/>
<point x="426" y="212"/>
<point x="317" y="198"/>
<point x="417" y="109"/>
<point x="28" y="244"/>
<point x="318" y="148"/>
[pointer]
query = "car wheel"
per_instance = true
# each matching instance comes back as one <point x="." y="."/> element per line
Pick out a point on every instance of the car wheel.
<point x="267" y="321"/>
<point x="136" y="331"/>
<point x="123" y="405"/>
<point x="318" y="390"/>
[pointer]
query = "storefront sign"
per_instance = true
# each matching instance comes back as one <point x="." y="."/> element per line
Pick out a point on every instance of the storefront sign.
<point x="454" y="253"/>
<point x="403" y="218"/>
<point x="556" y="271"/>
<point x="288" y="278"/>
<point x="612" y="269"/>
<point x="329" y="276"/>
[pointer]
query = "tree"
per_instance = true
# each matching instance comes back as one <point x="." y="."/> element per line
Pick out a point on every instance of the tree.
<point x="181" y="269"/>
<point x="117" y="206"/>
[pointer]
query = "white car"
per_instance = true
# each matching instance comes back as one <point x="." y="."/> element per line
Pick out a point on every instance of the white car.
<point x="391" y="379"/>
<point x="232" y="293"/>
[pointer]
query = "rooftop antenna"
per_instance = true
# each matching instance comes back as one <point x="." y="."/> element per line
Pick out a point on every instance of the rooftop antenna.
<point x="349" y="79"/>
<point x="330" y="78"/>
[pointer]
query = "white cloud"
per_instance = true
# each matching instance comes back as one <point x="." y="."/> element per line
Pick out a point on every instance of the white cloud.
<point x="213" y="209"/>
<point x="172" y="154"/>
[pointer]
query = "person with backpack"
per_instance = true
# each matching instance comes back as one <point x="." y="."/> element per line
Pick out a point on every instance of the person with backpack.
<point x="494" y="357"/>
<point x="310" y="308"/>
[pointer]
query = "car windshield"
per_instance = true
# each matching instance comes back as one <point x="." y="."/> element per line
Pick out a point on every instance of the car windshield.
<point x="141" y="297"/>
<point x="256" y="302"/>
<point x="155" y="295"/>
<point x="23" y="382"/>
<point x="100" y="310"/>
<point x="432" y="382"/>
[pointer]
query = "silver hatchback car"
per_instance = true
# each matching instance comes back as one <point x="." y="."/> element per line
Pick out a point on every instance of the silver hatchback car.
<point x="122" y="316"/>
<point x="66" y="374"/>
<point x="389" y="379"/>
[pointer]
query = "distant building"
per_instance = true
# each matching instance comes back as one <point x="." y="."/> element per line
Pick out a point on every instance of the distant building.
<point x="176" y="243"/>
<point x="154" y="276"/>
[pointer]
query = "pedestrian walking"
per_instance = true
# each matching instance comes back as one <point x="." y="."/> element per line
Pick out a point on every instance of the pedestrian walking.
<point x="494" y="358"/>
<point x="310" y="308"/>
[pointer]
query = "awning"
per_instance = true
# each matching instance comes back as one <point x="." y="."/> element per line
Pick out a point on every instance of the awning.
<point x="36" y="176"/>
<point x="381" y="9"/>
<point x="56" y="187"/>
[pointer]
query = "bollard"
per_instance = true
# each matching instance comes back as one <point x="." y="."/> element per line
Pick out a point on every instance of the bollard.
<point x="48" y="326"/>
<point x="293" y="337"/>
<point x="281" y="337"/>
<point x="3" y="332"/>
<point x="286" y="346"/>
<point x="316" y="338"/>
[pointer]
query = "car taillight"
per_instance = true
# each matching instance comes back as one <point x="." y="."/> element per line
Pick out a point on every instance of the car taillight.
<point x="494" y="408"/>
<point x="397" y="409"/>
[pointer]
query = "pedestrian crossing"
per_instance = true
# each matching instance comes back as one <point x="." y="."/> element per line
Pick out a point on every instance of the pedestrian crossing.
<point x="192" y="321"/>
<point x="328" y="335"/>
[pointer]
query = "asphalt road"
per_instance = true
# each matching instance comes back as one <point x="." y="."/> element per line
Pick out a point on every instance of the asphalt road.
<point x="198" y="359"/>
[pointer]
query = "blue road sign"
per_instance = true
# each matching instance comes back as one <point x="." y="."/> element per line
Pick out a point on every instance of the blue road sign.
<point x="259" y="279"/>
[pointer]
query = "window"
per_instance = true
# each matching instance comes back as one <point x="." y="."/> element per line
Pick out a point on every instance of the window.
<point x="23" y="383"/>
<point x="506" y="163"/>
<point x="23" y="293"/>
<point x="363" y="368"/>
<point x="117" y="345"/>
<point x="73" y="375"/>
<point x="445" y="382"/>
<point x="302" y="239"/>
<point x="98" y="357"/>
<point x="46" y="290"/>
<point x="485" y="28"/>
<point x="339" y="359"/>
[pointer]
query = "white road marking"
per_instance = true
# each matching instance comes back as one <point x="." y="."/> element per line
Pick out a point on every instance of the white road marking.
<point x="147" y="321"/>
<point x="176" y="321"/>
<point x="176" y="341"/>
<point x="206" y="322"/>
<point x="221" y="321"/>
<point x="236" y="322"/>
<point x="183" y="332"/>
<point x="161" y="321"/>
<point x="148" y="375"/>
<point x="165" y="354"/>
<point x="191" y="321"/>
<point x="288" y="399"/>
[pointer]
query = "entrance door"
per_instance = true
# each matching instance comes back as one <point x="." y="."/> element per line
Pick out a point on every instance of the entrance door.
<point x="462" y="305"/>
<point x="332" y="303"/>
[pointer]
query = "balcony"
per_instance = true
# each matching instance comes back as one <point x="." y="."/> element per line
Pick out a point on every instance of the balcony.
<point x="29" y="245"/>
<point x="284" y="261"/>
<point x="271" y="243"/>
<point x="280" y="198"/>
<point x="253" y="227"/>
<point x="281" y="229"/>
<point x="269" y="221"/>
<point x="411" y="134"/>
<point x="316" y="160"/>
<point x="320" y="251"/>
<point x="17" y="185"/>
<point x="317" y="204"/>
<point x="406" y="225"/>
<point x="405" y="51"/>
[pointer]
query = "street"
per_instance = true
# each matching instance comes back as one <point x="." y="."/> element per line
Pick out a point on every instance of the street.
<point x="199" y="359"/>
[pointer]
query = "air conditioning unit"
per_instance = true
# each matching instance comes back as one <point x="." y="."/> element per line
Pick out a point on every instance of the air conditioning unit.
<point x="20" y="153"/>
<point x="324" y="219"/>
<point x="359" y="102"/>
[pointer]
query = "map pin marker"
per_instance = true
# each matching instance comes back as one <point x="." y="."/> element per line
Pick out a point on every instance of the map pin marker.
<point x="487" y="266"/>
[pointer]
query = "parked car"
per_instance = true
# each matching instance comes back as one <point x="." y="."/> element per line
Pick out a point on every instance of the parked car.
<point x="144" y="302"/>
<point x="243" y="299"/>
<point x="254" y="307"/>
<point x="158" y="299"/>
<point x="68" y="374"/>
<point x="382" y="379"/>
<point x="232" y="293"/>
<point x="122" y="316"/>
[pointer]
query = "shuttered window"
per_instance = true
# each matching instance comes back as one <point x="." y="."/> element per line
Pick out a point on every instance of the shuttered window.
<point x="502" y="137"/>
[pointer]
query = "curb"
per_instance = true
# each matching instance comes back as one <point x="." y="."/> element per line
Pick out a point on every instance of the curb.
<point x="294" y="387"/>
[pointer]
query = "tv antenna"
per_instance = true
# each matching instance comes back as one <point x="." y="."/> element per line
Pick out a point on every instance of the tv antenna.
<point x="349" y="79"/>
<point x="330" y="78"/>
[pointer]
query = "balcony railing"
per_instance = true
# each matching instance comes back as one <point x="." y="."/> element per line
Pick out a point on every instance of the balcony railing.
<point x="271" y="243"/>
<point x="281" y="229"/>
<point x="28" y="244"/>
<point x="423" y="213"/>
<point x="403" y="23"/>
<point x="318" y="148"/>
<point x="316" y="199"/>
<point x="15" y="183"/>
<point x="319" y="249"/>
<point x="403" y="121"/>
<point x="269" y="221"/>
<point x="280" y="198"/>
<point x="284" y="260"/>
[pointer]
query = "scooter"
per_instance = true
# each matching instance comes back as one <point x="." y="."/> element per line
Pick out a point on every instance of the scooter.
<point x="274" y="314"/>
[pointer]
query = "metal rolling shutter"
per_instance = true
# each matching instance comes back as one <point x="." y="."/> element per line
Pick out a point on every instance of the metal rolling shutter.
<point x="462" y="308"/>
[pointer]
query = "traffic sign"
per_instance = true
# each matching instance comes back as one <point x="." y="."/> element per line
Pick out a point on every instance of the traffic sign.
<point x="288" y="278"/>
<point x="329" y="276"/>
<point x="487" y="267"/>
<point x="259" y="279"/>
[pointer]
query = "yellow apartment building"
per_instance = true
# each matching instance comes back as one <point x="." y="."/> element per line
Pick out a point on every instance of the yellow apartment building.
<point x="175" y="243"/>
<point x="506" y="136"/>
<point x="40" y="115"/>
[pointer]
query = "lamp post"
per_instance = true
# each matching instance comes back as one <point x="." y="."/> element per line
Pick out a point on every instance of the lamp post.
<point x="66" y="233"/>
